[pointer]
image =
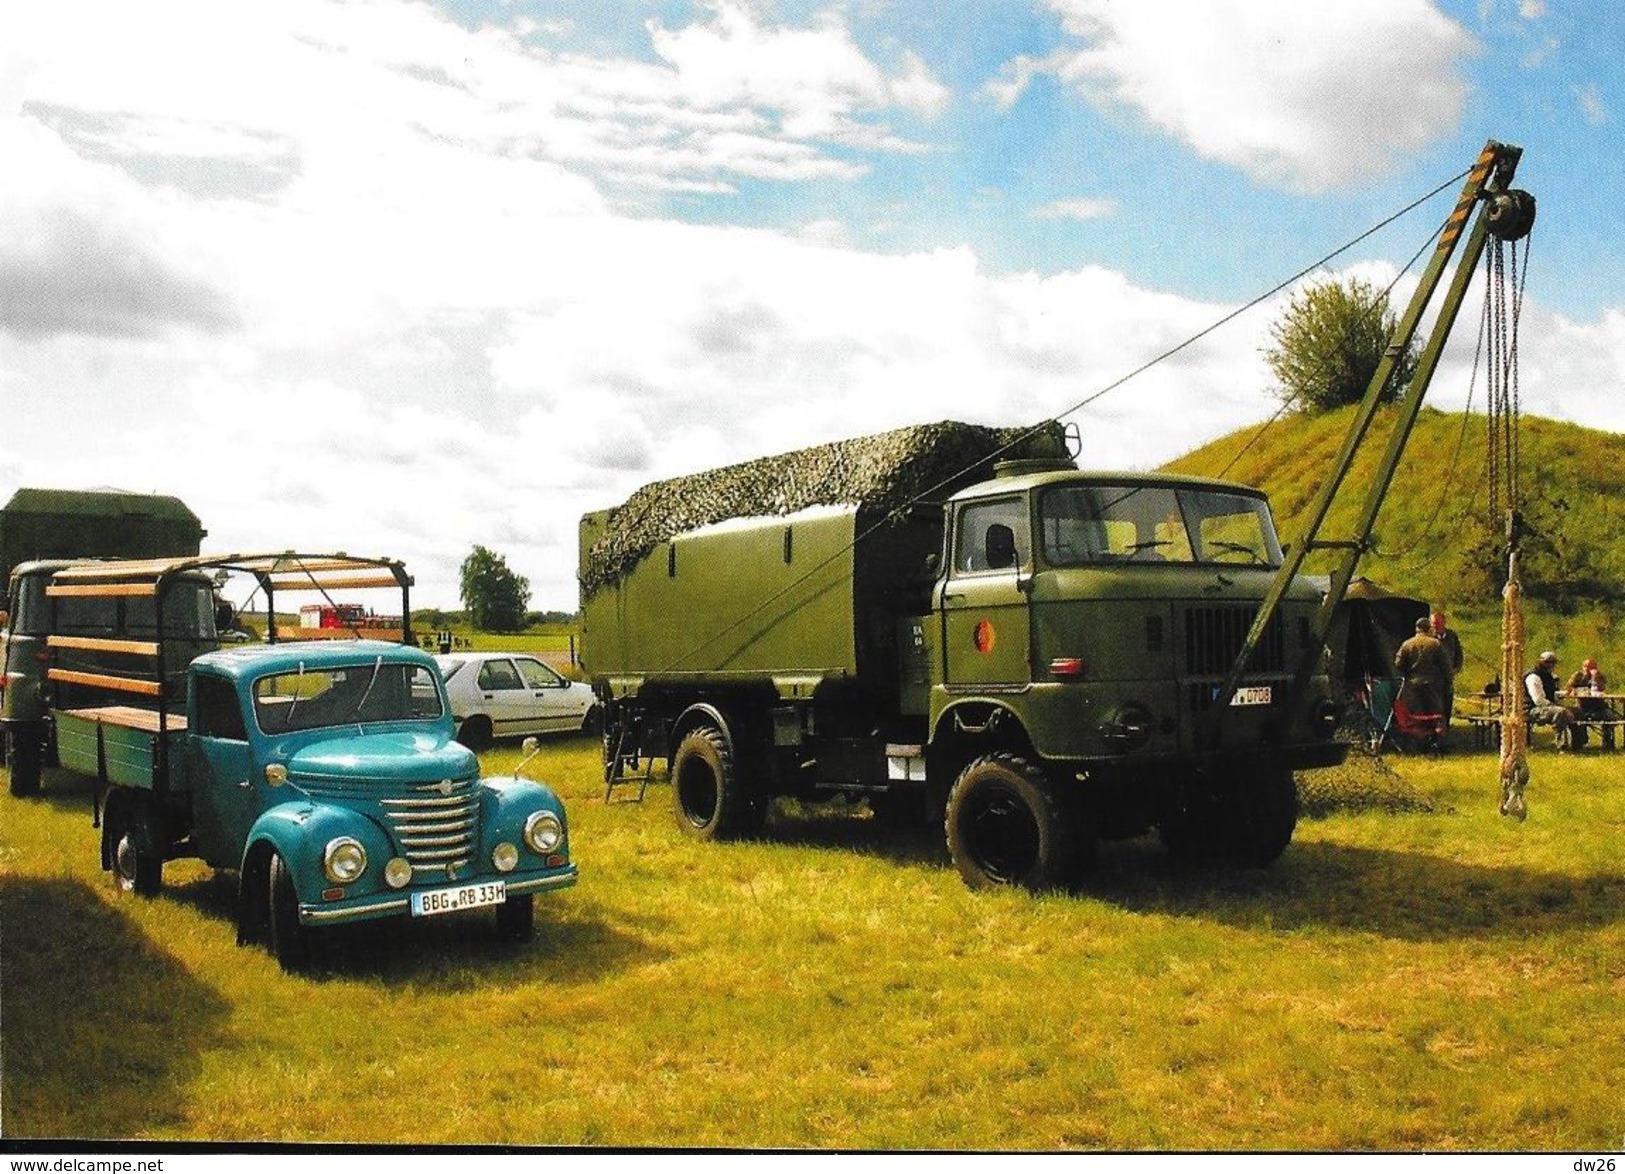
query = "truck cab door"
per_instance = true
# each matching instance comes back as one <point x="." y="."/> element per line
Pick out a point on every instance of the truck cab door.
<point x="226" y="795"/>
<point x="987" y="629"/>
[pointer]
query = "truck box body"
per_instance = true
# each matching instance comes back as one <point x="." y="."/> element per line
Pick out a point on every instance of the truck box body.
<point x="81" y="524"/>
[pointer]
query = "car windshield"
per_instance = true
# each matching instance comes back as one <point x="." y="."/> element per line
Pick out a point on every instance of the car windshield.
<point x="311" y="698"/>
<point x="1107" y="524"/>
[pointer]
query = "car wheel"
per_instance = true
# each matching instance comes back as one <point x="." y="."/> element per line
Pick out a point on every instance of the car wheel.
<point x="475" y="732"/>
<point x="290" y="941"/>
<point x="592" y="722"/>
<point x="1004" y="826"/>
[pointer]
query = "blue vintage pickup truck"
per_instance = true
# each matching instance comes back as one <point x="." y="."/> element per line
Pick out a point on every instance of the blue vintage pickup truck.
<point x="324" y="773"/>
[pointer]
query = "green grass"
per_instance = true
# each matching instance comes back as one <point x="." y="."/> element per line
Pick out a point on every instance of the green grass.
<point x="1415" y="973"/>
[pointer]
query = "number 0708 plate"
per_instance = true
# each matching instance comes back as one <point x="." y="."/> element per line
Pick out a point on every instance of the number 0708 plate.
<point x="1253" y="695"/>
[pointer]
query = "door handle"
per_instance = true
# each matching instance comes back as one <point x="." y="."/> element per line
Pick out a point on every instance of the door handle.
<point x="243" y="786"/>
<point x="947" y="595"/>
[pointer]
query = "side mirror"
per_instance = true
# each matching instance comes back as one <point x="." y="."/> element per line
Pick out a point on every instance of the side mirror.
<point x="933" y="564"/>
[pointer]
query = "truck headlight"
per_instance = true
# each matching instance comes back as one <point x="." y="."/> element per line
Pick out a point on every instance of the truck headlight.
<point x="505" y="857"/>
<point x="543" y="832"/>
<point x="398" y="872"/>
<point x="344" y="860"/>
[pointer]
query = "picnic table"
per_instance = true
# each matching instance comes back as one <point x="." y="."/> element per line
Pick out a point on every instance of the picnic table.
<point x="1606" y="719"/>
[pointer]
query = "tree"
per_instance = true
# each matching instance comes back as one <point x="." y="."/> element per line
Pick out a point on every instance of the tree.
<point x="495" y="597"/>
<point x="1328" y="343"/>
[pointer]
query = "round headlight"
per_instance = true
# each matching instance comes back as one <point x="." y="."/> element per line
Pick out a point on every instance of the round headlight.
<point x="505" y="857"/>
<point x="344" y="860"/>
<point x="543" y="832"/>
<point x="398" y="872"/>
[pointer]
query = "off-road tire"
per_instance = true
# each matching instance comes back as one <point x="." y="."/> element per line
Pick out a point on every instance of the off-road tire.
<point x="1260" y="819"/>
<point x="1004" y="826"/>
<point x="26" y="754"/>
<point x="709" y="797"/>
<point x="516" y="918"/>
<point x="475" y="732"/>
<point x="288" y="939"/>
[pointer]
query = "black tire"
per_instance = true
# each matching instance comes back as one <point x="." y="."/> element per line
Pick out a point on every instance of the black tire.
<point x="710" y="799"/>
<point x="27" y="752"/>
<point x="1189" y="828"/>
<point x="475" y="732"/>
<point x="137" y="867"/>
<point x="1005" y="827"/>
<point x="1261" y="819"/>
<point x="289" y="940"/>
<point x="516" y="918"/>
<point x="592" y="722"/>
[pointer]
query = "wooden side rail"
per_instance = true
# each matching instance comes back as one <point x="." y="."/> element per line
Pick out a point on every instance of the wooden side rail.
<point x="298" y="582"/>
<point x="104" y="681"/>
<point x="102" y="644"/>
<point x="102" y="590"/>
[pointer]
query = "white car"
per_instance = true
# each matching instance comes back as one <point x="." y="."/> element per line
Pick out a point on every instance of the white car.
<point x="511" y="694"/>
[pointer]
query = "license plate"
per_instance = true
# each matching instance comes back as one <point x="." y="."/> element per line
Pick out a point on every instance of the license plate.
<point x="436" y="901"/>
<point x="1252" y="695"/>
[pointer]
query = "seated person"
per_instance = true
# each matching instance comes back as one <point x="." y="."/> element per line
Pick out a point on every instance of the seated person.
<point x="1588" y="684"/>
<point x="1542" y="707"/>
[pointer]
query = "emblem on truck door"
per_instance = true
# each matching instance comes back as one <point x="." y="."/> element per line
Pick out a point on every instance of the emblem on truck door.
<point x="983" y="636"/>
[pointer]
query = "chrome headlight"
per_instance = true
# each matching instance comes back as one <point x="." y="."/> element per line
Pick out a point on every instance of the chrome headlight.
<point x="505" y="857"/>
<point x="398" y="872"/>
<point x="344" y="860"/>
<point x="544" y="832"/>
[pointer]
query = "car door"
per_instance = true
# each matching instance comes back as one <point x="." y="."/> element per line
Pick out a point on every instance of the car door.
<point x="503" y="695"/>
<point x="226" y="795"/>
<point x="987" y="627"/>
<point x="559" y="708"/>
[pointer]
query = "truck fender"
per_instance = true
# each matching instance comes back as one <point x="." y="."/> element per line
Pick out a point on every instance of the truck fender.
<point x="968" y="729"/>
<point x="507" y="801"/>
<point x="701" y="713"/>
<point x="298" y="832"/>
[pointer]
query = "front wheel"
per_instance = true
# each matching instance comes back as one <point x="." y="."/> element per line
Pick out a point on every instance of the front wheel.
<point x="1005" y="827"/>
<point x="711" y="800"/>
<point x="290" y="941"/>
<point x="27" y="752"/>
<point x="475" y="733"/>
<point x="516" y="918"/>
<point x="1260" y="822"/>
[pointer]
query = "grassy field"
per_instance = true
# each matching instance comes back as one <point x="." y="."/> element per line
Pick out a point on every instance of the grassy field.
<point x="1415" y="973"/>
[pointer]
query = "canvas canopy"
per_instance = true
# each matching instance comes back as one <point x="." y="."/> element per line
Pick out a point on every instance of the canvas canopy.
<point x="880" y="473"/>
<point x="1368" y="629"/>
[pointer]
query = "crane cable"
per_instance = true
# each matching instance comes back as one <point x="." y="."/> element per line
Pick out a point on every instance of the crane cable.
<point x="1504" y="489"/>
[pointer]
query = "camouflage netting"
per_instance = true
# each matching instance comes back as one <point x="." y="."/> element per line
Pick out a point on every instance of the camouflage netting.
<point x="881" y="473"/>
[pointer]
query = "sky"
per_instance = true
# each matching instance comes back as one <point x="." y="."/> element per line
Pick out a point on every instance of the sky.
<point x="402" y="278"/>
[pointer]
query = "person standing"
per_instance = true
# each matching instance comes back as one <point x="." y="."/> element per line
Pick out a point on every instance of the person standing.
<point x="1424" y="670"/>
<point x="1452" y="649"/>
<point x="1541" y="704"/>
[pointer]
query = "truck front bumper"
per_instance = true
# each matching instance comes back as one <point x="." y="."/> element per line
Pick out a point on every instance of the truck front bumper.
<point x="398" y="902"/>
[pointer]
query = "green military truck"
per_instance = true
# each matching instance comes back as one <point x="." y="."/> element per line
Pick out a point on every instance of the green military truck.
<point x="98" y="523"/>
<point x="956" y="622"/>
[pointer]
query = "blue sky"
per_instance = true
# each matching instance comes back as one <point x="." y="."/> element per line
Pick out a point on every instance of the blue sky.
<point x="400" y="278"/>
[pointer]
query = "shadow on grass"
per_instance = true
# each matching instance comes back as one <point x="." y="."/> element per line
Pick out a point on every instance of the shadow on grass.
<point x="1409" y="896"/>
<point x="101" y="1026"/>
<point x="454" y="953"/>
<point x="1404" y="895"/>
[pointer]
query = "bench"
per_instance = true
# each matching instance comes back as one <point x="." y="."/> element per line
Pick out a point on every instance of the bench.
<point x="1486" y="730"/>
<point x="1607" y="730"/>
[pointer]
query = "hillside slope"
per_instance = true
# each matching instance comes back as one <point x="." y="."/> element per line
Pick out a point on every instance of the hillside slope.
<point x="1434" y="535"/>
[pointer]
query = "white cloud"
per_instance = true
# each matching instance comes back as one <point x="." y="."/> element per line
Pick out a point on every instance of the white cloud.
<point x="1084" y="208"/>
<point x="1292" y="94"/>
<point x="1592" y="107"/>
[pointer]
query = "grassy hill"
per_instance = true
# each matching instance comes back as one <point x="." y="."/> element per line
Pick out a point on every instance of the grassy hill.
<point x="1434" y="535"/>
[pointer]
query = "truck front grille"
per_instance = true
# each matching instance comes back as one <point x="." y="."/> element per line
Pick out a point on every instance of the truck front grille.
<point x="436" y="824"/>
<point x="1214" y="636"/>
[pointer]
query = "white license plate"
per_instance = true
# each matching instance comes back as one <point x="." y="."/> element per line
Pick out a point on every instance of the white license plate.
<point x="1252" y="695"/>
<point x="435" y="901"/>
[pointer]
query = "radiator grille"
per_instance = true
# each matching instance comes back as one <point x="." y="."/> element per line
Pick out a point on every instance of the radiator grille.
<point x="436" y="824"/>
<point x="1214" y="636"/>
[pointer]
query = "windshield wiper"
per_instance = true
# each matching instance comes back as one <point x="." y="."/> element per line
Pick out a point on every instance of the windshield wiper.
<point x="1242" y="548"/>
<point x="367" y="692"/>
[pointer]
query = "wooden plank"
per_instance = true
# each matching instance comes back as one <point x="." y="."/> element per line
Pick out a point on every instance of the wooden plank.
<point x="298" y="582"/>
<point x="102" y="590"/>
<point x="103" y="681"/>
<point x="128" y="716"/>
<point x="97" y="644"/>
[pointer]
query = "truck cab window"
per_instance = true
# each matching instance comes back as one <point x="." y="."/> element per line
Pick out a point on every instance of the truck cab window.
<point x="992" y="536"/>
<point x="218" y="715"/>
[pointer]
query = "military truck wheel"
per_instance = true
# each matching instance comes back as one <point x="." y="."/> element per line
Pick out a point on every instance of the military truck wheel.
<point x="135" y="867"/>
<point x="26" y="754"/>
<point x="290" y="941"/>
<point x="1004" y="826"/>
<point x="475" y="732"/>
<point x="1260" y="819"/>
<point x="516" y="918"/>
<point x="711" y="800"/>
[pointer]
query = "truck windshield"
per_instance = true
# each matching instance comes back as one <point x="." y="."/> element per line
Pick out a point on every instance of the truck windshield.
<point x="1086" y="525"/>
<point x="312" y="698"/>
